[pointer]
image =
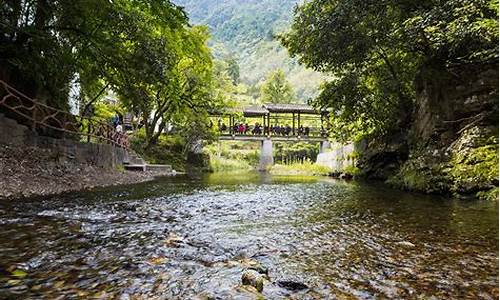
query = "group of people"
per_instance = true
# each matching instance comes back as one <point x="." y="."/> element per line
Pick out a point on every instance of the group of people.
<point x="123" y="123"/>
<point x="258" y="129"/>
<point x="120" y="136"/>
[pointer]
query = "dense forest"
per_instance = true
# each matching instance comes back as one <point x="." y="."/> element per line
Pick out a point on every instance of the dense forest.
<point x="246" y="31"/>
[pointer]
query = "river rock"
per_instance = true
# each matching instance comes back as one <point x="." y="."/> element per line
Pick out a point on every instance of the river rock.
<point x="345" y="176"/>
<point x="252" y="264"/>
<point x="253" y="278"/>
<point x="260" y="269"/>
<point x="406" y="244"/>
<point x="173" y="241"/>
<point x="292" y="285"/>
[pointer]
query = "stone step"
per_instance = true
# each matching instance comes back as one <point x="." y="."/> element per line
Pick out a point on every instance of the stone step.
<point x="130" y="167"/>
<point x="161" y="168"/>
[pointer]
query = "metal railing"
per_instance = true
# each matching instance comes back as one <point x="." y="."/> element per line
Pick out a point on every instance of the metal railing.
<point x="41" y="116"/>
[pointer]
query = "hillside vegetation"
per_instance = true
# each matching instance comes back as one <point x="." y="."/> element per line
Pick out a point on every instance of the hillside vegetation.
<point x="246" y="31"/>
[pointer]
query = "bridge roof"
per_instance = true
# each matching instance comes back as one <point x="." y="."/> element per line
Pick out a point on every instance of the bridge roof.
<point x="264" y="109"/>
<point x="255" y="111"/>
<point x="290" y="108"/>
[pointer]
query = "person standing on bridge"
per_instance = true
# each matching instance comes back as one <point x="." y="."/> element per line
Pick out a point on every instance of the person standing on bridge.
<point x="301" y="130"/>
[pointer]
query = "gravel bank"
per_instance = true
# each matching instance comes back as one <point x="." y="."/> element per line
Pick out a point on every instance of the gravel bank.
<point x="34" y="171"/>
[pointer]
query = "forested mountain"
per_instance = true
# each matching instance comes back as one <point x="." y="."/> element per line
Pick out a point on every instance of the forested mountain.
<point x="245" y="30"/>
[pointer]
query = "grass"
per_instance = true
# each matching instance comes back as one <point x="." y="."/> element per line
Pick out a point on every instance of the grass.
<point x="306" y="168"/>
<point x="223" y="164"/>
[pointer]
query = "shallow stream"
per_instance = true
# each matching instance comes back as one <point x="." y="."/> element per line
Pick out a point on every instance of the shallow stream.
<point x="193" y="237"/>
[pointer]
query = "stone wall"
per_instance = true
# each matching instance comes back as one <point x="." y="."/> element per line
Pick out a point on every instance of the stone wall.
<point x="339" y="158"/>
<point x="452" y="144"/>
<point x="66" y="150"/>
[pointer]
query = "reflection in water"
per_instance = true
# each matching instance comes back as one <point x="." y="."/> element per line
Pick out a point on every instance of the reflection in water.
<point x="182" y="238"/>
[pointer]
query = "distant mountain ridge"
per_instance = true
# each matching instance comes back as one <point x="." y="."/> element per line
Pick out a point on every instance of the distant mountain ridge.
<point x="245" y="29"/>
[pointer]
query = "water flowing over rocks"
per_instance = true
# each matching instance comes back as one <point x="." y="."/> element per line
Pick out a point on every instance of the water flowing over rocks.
<point x="195" y="238"/>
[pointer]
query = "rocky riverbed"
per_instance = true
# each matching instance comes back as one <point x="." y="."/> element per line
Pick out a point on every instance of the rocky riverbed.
<point x="248" y="236"/>
<point x="34" y="171"/>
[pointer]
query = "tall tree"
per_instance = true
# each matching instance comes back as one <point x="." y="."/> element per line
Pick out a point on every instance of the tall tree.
<point x="144" y="50"/>
<point x="233" y="69"/>
<point x="276" y="89"/>
<point x="44" y="44"/>
<point x="374" y="49"/>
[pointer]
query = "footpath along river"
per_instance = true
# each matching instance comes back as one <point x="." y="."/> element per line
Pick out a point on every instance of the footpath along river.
<point x="193" y="238"/>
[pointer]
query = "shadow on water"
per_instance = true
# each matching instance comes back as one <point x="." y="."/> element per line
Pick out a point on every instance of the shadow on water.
<point x="193" y="236"/>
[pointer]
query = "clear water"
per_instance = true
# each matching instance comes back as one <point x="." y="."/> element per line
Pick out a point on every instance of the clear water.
<point x="191" y="238"/>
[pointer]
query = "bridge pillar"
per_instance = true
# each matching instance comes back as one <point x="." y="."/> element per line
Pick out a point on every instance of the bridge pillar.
<point x="266" y="155"/>
<point x="324" y="147"/>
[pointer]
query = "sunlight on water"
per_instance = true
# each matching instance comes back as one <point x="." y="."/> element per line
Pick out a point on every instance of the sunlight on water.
<point x="182" y="238"/>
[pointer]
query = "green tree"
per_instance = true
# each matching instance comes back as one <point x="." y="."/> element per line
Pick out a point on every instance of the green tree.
<point x="276" y="89"/>
<point x="375" y="49"/>
<point x="177" y="83"/>
<point x="45" y="44"/>
<point x="233" y="69"/>
<point x="144" y="50"/>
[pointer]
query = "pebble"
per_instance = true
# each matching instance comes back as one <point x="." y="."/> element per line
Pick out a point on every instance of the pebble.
<point x="406" y="244"/>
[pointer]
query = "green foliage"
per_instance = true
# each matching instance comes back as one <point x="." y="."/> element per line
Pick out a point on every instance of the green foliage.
<point x="233" y="70"/>
<point x="145" y="51"/>
<point x="276" y="89"/>
<point x="222" y="164"/>
<point x="106" y="111"/>
<point x="307" y="168"/>
<point x="491" y="195"/>
<point x="291" y="153"/>
<point x="352" y="170"/>
<point x="422" y="177"/>
<point x="227" y="156"/>
<point x="454" y="31"/>
<point x="44" y="44"/>
<point x="476" y="168"/>
<point x="374" y="50"/>
<point x="246" y="30"/>
<point x="170" y="149"/>
<point x="472" y="168"/>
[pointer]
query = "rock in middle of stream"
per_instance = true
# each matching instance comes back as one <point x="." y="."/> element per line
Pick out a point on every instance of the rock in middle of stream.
<point x="253" y="278"/>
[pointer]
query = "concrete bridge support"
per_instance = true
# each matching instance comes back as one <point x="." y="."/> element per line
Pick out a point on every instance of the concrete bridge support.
<point x="266" y="155"/>
<point x="324" y="147"/>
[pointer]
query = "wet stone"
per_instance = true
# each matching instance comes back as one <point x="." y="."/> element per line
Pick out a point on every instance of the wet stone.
<point x="317" y="240"/>
<point x="406" y="244"/>
<point x="292" y="285"/>
<point x="253" y="278"/>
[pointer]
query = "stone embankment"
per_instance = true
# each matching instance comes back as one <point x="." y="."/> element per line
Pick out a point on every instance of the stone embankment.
<point x="32" y="165"/>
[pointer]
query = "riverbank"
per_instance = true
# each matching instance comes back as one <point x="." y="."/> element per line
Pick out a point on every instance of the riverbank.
<point x="38" y="172"/>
